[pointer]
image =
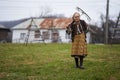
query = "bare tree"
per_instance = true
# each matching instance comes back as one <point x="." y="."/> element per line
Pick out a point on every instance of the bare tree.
<point x="55" y="16"/>
<point x="44" y="11"/>
<point x="111" y="26"/>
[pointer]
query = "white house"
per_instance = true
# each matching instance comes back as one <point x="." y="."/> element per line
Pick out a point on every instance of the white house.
<point x="43" y="30"/>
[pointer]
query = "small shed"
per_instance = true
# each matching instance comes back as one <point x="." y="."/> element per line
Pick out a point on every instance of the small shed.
<point x="4" y="34"/>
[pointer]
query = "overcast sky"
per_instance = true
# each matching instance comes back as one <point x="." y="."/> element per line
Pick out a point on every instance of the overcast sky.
<point x="17" y="9"/>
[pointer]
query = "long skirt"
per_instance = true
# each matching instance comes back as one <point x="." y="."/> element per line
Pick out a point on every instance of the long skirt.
<point x="79" y="46"/>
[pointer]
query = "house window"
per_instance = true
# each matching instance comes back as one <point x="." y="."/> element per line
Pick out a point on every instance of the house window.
<point x="68" y="36"/>
<point x="22" y="35"/>
<point x="45" y="35"/>
<point x="37" y="34"/>
<point x="55" y="37"/>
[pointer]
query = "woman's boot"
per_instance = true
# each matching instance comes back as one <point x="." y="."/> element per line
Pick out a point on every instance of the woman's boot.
<point x="76" y="62"/>
<point x="81" y="62"/>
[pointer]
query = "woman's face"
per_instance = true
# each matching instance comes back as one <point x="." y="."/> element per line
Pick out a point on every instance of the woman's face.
<point x="76" y="17"/>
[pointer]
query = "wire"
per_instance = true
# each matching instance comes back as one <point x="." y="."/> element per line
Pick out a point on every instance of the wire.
<point x="59" y="2"/>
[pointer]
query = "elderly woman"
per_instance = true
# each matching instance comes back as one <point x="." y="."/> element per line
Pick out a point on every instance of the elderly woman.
<point x="78" y="29"/>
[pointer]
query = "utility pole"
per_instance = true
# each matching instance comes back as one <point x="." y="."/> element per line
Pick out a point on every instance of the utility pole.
<point x="106" y="24"/>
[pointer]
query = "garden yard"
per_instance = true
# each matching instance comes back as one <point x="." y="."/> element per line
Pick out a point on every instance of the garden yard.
<point x="53" y="62"/>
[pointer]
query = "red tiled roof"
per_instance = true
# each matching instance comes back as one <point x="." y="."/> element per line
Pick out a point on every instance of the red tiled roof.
<point x="60" y="23"/>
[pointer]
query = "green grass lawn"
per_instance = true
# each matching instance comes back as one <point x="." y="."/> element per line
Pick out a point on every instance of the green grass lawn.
<point x="53" y="62"/>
